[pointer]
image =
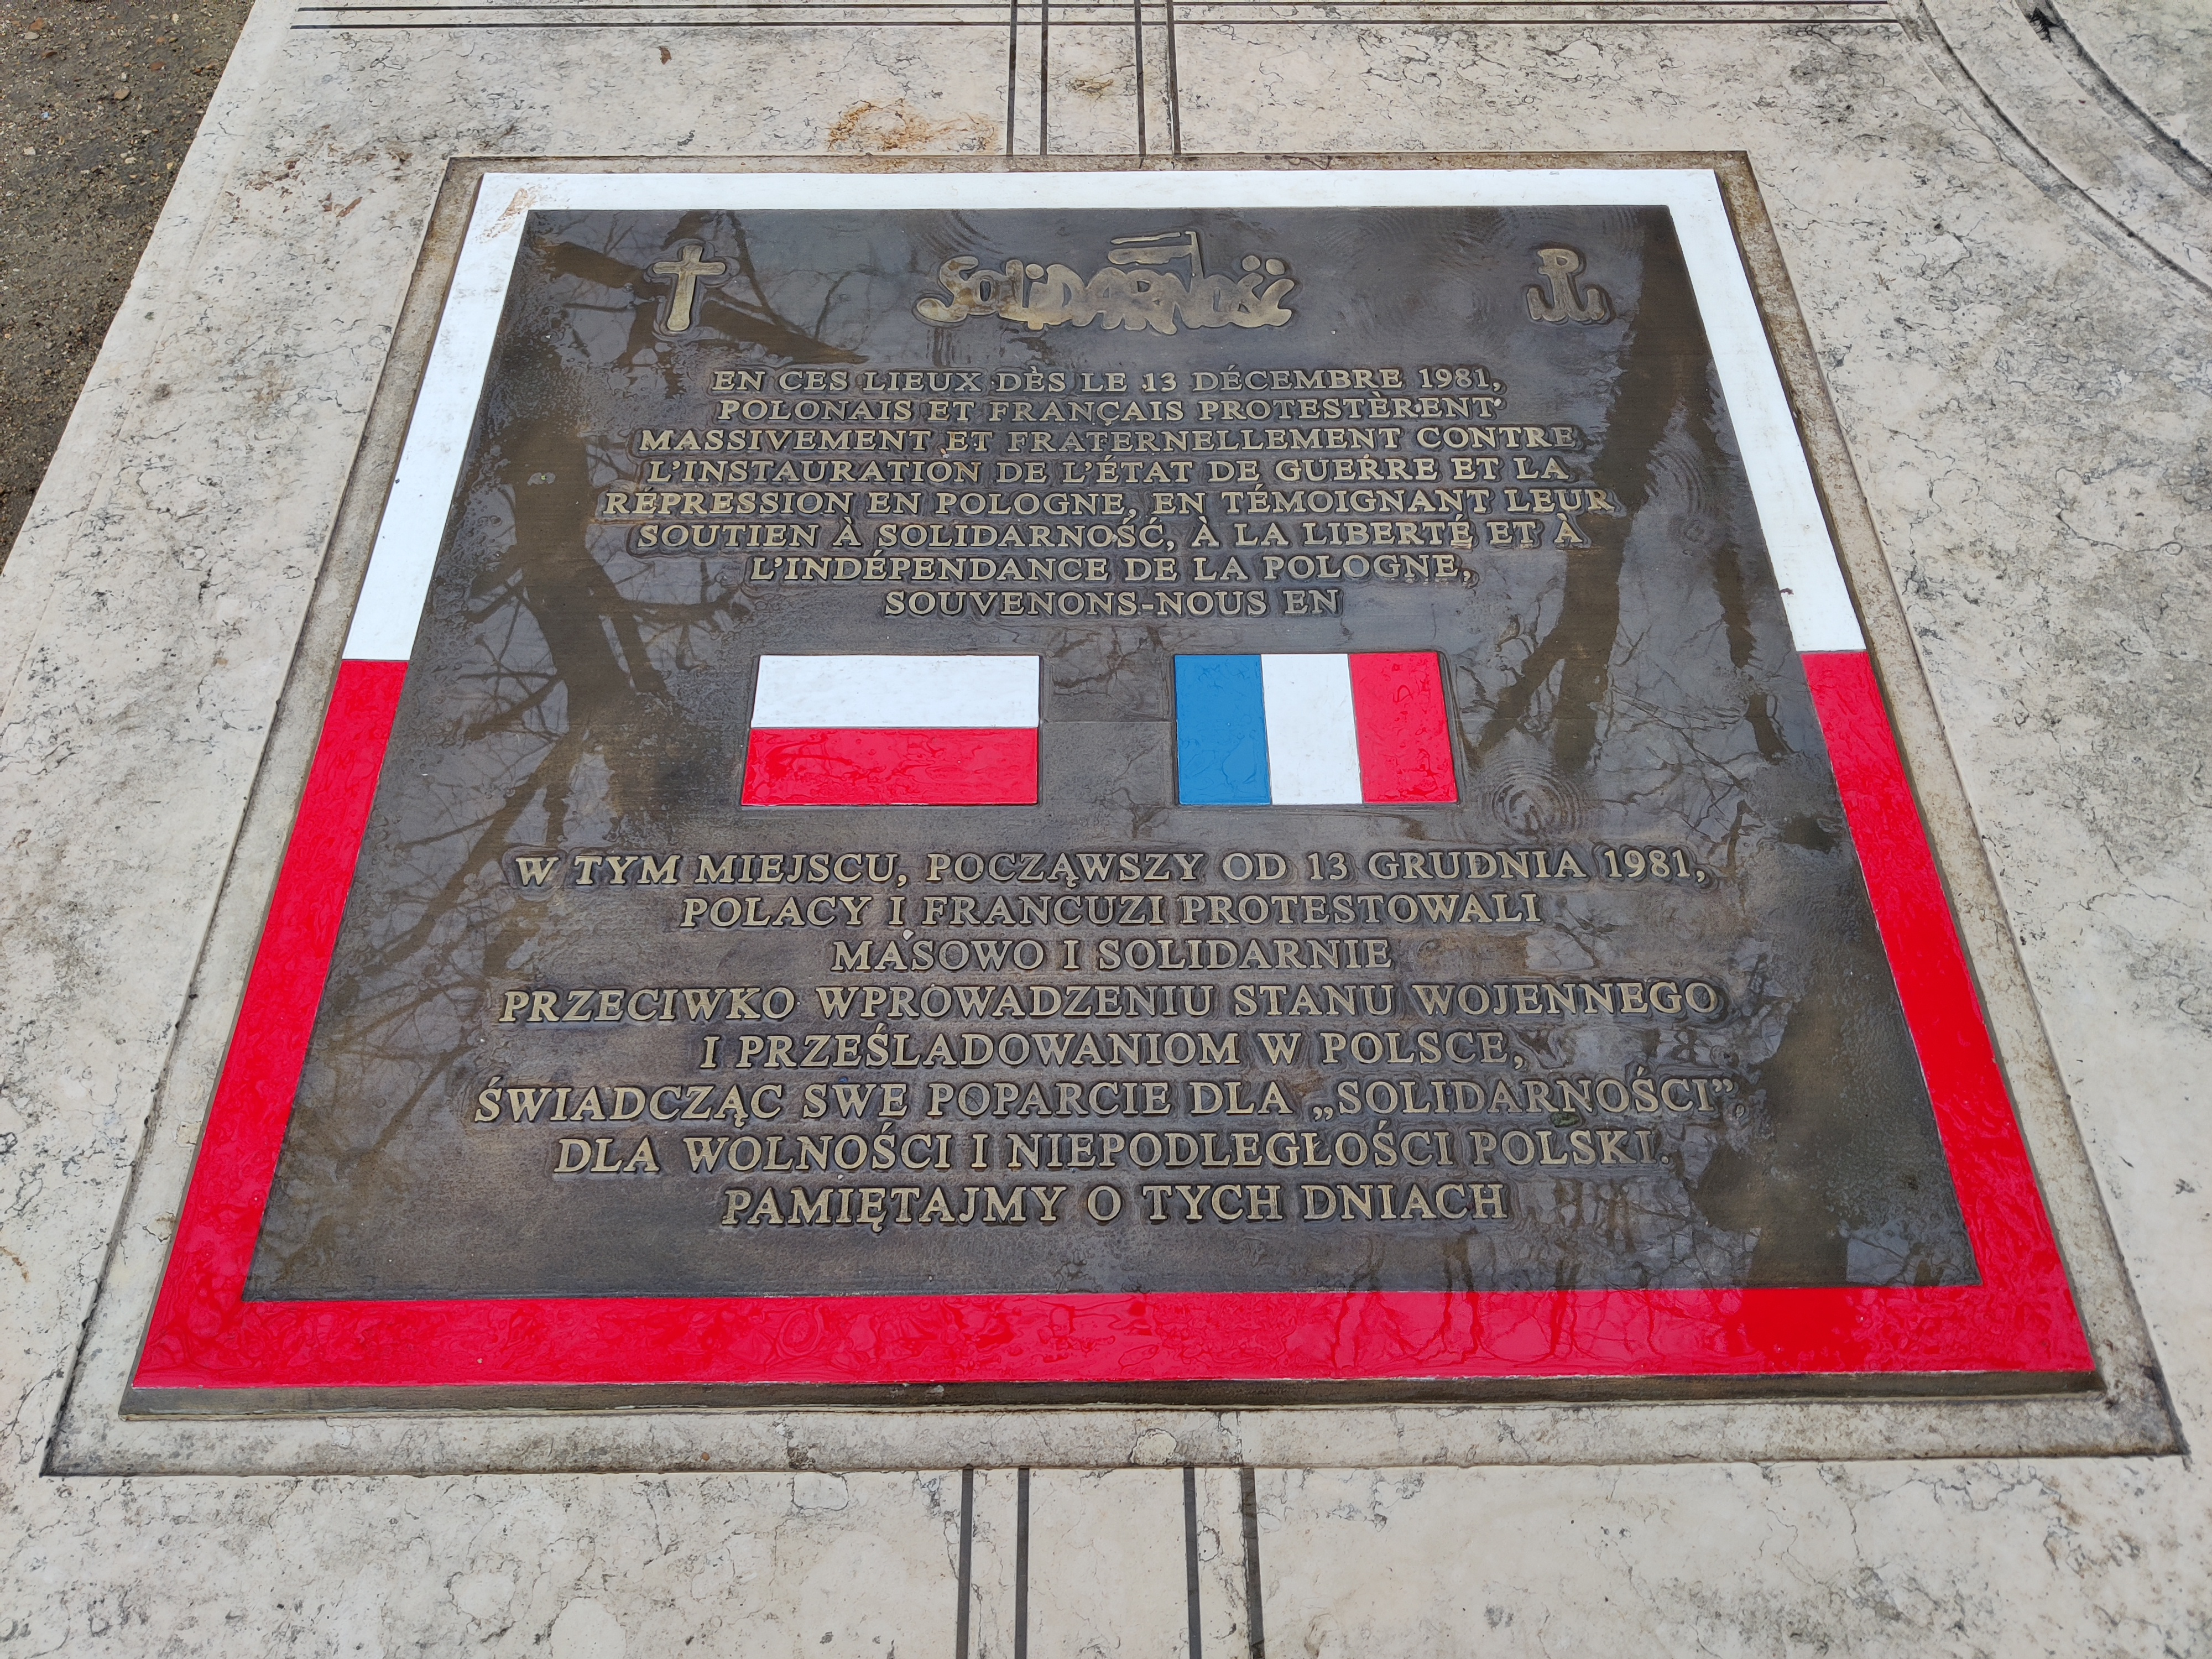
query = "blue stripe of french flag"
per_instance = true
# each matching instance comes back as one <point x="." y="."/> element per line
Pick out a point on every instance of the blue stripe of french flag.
<point x="1313" y="729"/>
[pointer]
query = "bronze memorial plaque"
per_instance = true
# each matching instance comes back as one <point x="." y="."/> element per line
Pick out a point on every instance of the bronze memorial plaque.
<point x="1088" y="795"/>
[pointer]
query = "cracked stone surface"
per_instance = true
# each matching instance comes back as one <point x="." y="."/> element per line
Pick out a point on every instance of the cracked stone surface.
<point x="2159" y="53"/>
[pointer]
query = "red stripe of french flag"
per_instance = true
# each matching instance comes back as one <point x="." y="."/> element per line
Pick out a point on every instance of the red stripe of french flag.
<point x="1404" y="727"/>
<point x="854" y="731"/>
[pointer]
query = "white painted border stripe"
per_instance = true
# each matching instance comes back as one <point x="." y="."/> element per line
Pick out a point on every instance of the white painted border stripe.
<point x="1815" y="596"/>
<point x="1813" y="588"/>
<point x="1313" y="736"/>
<point x="896" y="693"/>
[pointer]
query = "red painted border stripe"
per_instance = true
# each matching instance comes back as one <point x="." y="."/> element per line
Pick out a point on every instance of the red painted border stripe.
<point x="1405" y="737"/>
<point x="916" y="766"/>
<point x="2020" y="1319"/>
<point x="222" y="1216"/>
<point x="2003" y="1209"/>
<point x="859" y="1340"/>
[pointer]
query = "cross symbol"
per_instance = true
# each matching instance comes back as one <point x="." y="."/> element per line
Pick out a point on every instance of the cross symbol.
<point x="687" y="268"/>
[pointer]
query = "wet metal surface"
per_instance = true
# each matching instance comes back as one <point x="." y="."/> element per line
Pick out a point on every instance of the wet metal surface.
<point x="1617" y="1018"/>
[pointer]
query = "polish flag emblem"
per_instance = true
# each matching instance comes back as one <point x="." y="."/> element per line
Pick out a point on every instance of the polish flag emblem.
<point x="894" y="731"/>
<point x="1318" y="729"/>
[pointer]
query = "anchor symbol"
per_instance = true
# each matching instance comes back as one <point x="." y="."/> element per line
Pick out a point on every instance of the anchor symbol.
<point x="1568" y="303"/>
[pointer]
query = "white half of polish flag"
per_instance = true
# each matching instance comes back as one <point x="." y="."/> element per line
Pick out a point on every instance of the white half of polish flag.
<point x="853" y="731"/>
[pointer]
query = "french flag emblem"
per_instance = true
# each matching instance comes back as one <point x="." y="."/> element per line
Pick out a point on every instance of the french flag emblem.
<point x="894" y="731"/>
<point x="1313" y="729"/>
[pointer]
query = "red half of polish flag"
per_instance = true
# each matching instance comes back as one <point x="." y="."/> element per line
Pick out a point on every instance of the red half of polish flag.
<point x="894" y="731"/>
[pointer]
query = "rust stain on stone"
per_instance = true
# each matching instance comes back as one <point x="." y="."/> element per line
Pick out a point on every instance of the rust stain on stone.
<point x="872" y="129"/>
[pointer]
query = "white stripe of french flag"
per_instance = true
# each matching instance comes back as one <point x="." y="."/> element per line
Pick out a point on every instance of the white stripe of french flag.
<point x="1313" y="729"/>
<point x="856" y="731"/>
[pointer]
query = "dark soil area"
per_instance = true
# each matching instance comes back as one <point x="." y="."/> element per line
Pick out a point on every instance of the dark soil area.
<point x="98" y="100"/>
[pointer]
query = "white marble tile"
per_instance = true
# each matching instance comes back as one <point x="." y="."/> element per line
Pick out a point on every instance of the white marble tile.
<point x="1091" y="83"/>
<point x="995" y="1562"/>
<point x="1873" y="1559"/>
<point x="1106" y="1564"/>
<point x="585" y="1568"/>
<point x="1225" y="1623"/>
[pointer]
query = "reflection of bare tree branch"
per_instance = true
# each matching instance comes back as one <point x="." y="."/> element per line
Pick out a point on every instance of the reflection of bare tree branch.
<point x="567" y="259"/>
<point x="750" y="272"/>
<point x="495" y="833"/>
<point x="1729" y="586"/>
<point x="821" y="317"/>
<point x="568" y="668"/>
<point x="511" y="717"/>
<point x="1664" y="385"/>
